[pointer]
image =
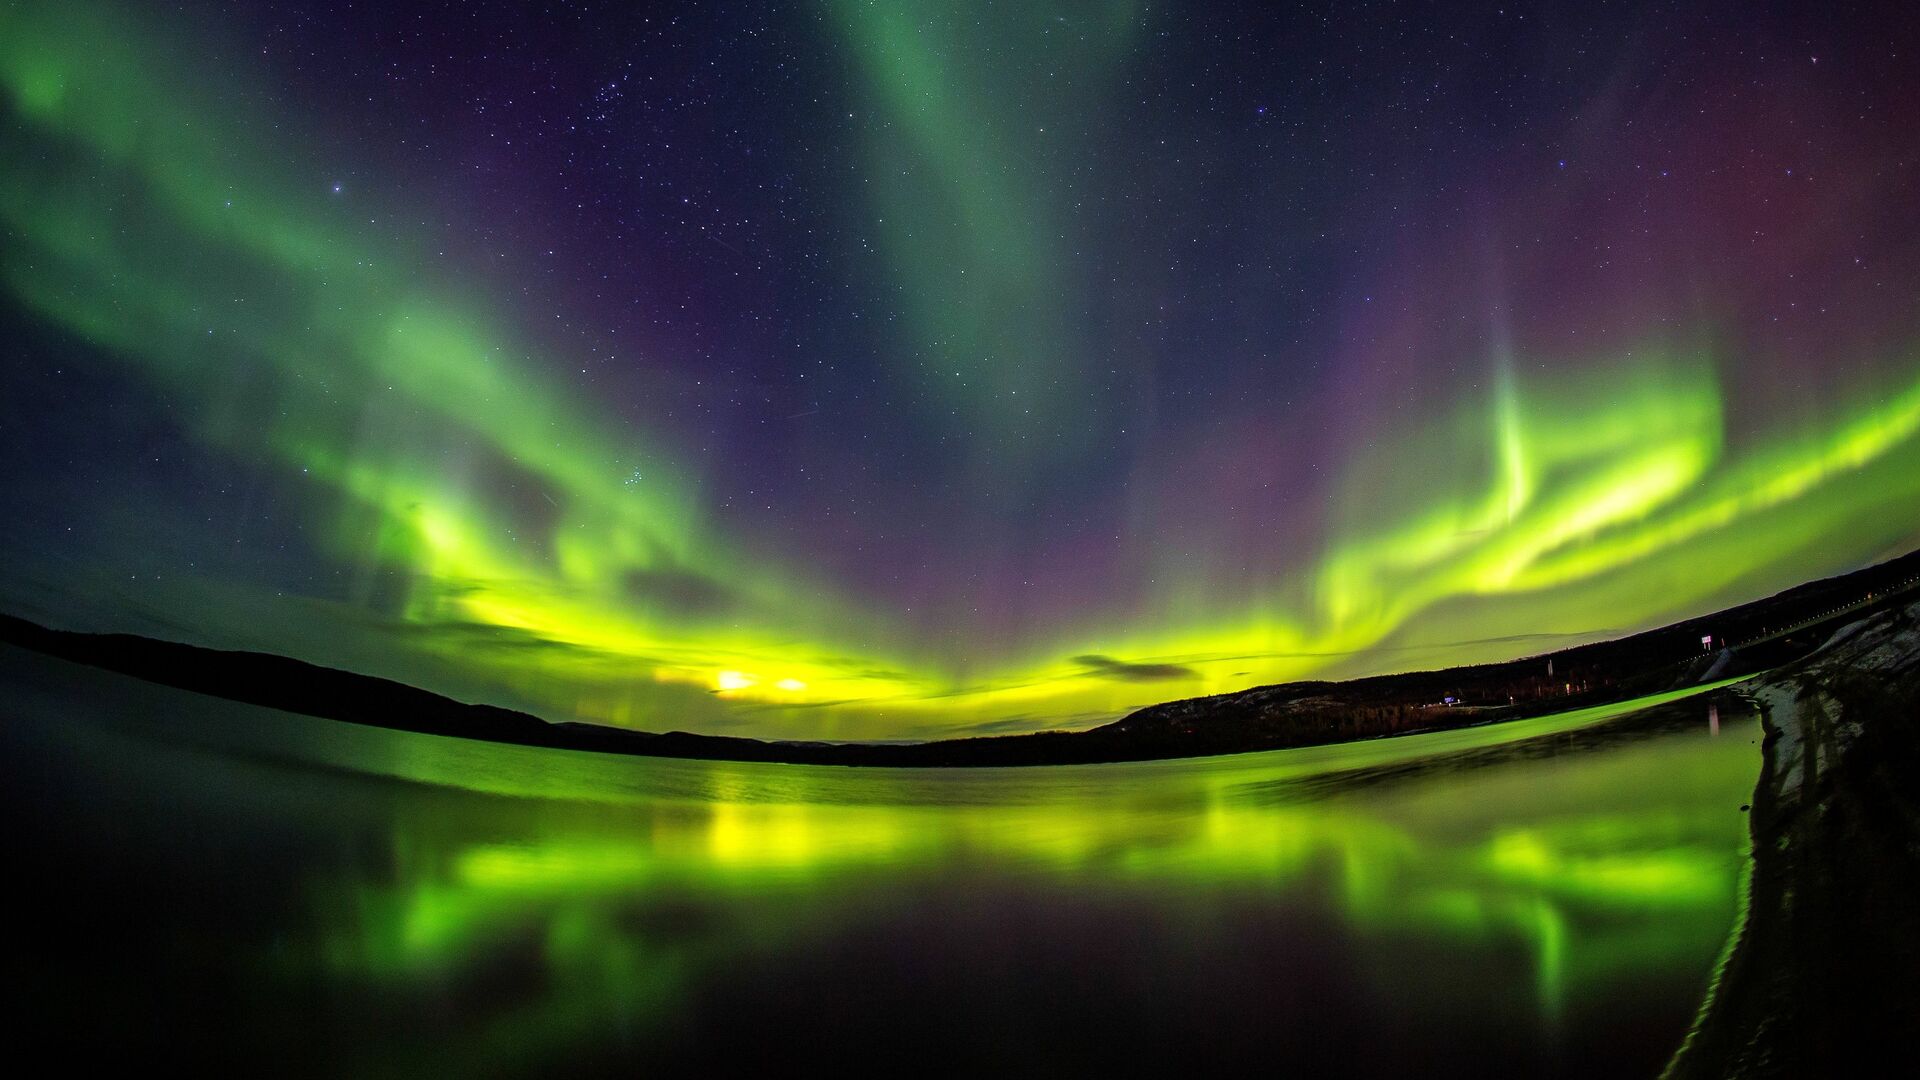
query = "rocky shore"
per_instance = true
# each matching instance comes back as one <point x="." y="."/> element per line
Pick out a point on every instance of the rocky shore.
<point x="1824" y="978"/>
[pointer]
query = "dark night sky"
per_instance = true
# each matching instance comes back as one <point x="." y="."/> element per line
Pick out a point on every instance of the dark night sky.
<point x="890" y="370"/>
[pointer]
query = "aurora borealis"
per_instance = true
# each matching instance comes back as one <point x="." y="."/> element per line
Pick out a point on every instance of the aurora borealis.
<point x="842" y="370"/>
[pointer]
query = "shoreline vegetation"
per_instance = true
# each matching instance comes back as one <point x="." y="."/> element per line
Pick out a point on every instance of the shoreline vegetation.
<point x="1747" y="639"/>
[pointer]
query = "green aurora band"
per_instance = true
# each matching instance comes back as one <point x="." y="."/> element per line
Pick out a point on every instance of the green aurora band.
<point x="152" y="214"/>
<point x="971" y="202"/>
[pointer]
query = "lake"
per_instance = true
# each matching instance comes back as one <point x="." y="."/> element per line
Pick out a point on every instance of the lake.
<point x="243" y="889"/>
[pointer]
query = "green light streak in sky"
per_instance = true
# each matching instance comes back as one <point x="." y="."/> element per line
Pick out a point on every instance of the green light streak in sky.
<point x="155" y="215"/>
<point x="984" y="127"/>
<point x="141" y="234"/>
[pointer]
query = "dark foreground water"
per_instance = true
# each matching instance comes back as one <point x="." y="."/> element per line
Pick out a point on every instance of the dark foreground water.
<point x="268" y="893"/>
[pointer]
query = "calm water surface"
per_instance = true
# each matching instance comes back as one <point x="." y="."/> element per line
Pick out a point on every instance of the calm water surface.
<point x="243" y="888"/>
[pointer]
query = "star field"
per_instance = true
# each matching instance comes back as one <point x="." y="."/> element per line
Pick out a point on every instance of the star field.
<point x="850" y="370"/>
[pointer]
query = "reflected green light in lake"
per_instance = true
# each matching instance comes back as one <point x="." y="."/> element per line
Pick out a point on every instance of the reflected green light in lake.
<point x="1591" y="895"/>
<point x="1524" y="893"/>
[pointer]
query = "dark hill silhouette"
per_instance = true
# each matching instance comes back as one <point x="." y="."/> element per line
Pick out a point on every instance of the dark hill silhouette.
<point x="1746" y="639"/>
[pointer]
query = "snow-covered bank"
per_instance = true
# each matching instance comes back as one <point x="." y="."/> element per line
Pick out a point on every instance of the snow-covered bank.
<point x="1825" y="977"/>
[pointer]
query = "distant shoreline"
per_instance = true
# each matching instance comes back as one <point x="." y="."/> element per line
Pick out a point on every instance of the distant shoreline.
<point x="1274" y="717"/>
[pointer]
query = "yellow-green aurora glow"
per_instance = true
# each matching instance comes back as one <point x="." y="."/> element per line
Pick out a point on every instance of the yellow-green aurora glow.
<point x="502" y="530"/>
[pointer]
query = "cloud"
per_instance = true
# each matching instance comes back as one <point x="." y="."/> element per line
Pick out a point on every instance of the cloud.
<point x="1106" y="667"/>
<point x="678" y="592"/>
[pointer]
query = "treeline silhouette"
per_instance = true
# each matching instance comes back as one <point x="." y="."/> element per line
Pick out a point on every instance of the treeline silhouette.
<point x="1767" y="633"/>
